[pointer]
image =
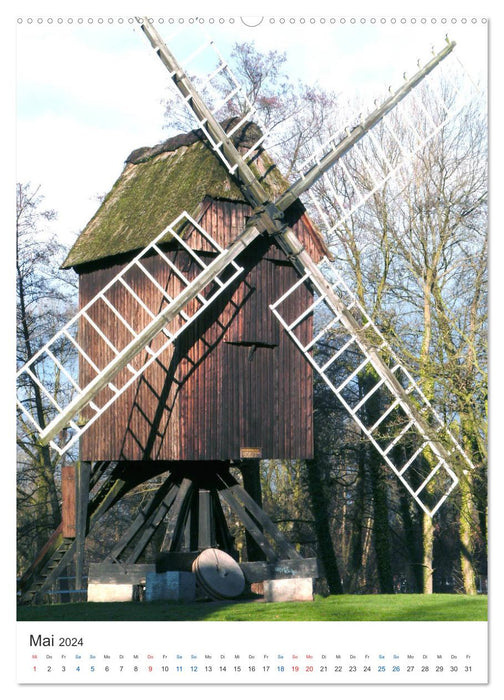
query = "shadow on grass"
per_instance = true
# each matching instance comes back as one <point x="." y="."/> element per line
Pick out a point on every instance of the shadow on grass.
<point x="409" y="607"/>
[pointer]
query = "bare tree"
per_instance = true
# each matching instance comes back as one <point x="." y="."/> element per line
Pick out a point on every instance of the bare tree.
<point x="416" y="254"/>
<point x="45" y="297"/>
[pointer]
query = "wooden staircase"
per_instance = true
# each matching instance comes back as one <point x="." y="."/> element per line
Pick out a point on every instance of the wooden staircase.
<point x="51" y="560"/>
<point x="115" y="481"/>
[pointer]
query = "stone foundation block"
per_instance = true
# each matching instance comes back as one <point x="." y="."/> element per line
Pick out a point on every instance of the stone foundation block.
<point x="110" y="592"/>
<point x="288" y="589"/>
<point x="170" y="585"/>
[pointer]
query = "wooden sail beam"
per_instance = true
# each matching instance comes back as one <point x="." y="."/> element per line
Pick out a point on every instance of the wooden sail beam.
<point x="327" y="161"/>
<point x="269" y="214"/>
<point x="249" y="234"/>
<point x="253" y="189"/>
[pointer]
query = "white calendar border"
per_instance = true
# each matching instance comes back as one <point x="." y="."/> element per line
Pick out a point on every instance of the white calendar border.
<point x="10" y="627"/>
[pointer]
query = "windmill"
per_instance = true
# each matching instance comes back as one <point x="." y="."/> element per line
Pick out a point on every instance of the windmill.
<point x="145" y="315"/>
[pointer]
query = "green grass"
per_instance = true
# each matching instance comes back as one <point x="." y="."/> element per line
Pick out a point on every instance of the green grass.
<point x="333" y="608"/>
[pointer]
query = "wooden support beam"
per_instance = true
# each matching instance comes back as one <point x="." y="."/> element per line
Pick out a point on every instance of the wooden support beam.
<point x="188" y="540"/>
<point x="161" y="499"/>
<point x="98" y="470"/>
<point x="108" y="572"/>
<point x="177" y="513"/>
<point x="175" y="561"/>
<point x="223" y="537"/>
<point x="286" y="549"/>
<point x="251" y="475"/>
<point x="228" y="496"/>
<point x="68" y="499"/>
<point x="151" y="525"/>
<point x="206" y="536"/>
<point x="83" y="470"/>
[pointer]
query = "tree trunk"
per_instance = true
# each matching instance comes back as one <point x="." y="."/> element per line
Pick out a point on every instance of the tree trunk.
<point x="413" y="544"/>
<point x="427" y="554"/>
<point x="466" y="534"/>
<point x="428" y="389"/>
<point x="358" y="534"/>
<point x="320" y="512"/>
<point x="381" y="530"/>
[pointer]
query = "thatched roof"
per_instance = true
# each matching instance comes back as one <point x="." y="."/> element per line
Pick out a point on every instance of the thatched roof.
<point x="156" y="185"/>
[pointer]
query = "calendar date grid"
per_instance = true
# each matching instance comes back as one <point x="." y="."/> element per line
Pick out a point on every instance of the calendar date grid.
<point x="293" y="665"/>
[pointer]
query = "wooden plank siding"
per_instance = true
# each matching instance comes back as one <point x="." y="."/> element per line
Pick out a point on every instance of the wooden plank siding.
<point x="234" y="379"/>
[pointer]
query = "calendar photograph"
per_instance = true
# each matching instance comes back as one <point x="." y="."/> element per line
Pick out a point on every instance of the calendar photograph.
<point x="251" y="349"/>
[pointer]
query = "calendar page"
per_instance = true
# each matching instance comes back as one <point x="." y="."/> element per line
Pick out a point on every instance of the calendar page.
<point x="251" y="347"/>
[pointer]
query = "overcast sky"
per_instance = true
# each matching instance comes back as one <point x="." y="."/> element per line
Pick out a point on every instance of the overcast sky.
<point x="90" y="90"/>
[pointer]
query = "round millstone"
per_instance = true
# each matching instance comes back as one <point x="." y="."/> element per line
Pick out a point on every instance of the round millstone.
<point x="218" y="574"/>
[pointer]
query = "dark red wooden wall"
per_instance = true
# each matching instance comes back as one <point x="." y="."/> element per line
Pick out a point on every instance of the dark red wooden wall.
<point x="235" y="385"/>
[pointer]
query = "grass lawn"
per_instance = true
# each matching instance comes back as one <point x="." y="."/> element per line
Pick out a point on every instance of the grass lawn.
<point x="405" y="607"/>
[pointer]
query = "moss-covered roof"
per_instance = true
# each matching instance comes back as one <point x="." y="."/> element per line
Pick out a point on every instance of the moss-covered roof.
<point x="156" y="185"/>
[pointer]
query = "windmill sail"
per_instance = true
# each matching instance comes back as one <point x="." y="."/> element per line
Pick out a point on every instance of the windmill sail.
<point x="181" y="300"/>
<point x="159" y="328"/>
<point x="204" y="95"/>
<point x="360" y="368"/>
<point x="407" y="433"/>
<point x="365" y="168"/>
